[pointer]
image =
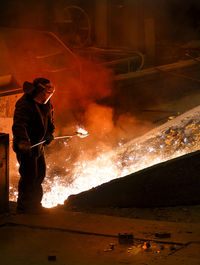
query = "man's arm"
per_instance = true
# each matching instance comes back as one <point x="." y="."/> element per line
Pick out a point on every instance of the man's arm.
<point x="21" y="141"/>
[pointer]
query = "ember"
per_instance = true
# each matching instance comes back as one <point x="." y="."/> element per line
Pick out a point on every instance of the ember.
<point x="174" y="138"/>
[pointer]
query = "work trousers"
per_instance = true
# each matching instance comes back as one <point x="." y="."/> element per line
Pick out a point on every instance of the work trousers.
<point x="32" y="170"/>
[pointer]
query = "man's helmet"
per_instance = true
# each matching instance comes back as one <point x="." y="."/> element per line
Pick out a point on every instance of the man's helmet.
<point x="41" y="90"/>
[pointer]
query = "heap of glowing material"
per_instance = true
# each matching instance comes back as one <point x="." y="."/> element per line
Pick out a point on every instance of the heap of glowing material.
<point x="86" y="174"/>
<point x="174" y="138"/>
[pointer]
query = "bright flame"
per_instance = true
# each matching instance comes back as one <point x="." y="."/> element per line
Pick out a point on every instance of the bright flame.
<point x="82" y="132"/>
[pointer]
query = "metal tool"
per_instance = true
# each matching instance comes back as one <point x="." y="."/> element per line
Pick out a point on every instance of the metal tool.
<point x="82" y="135"/>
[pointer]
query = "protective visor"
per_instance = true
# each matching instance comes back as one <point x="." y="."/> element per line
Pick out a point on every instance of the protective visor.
<point x="47" y="92"/>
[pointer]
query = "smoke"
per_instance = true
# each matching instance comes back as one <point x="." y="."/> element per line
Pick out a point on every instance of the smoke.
<point x="94" y="82"/>
<point x="79" y="84"/>
<point x="99" y="119"/>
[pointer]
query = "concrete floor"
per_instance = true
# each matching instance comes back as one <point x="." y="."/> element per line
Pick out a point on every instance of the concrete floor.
<point x="70" y="238"/>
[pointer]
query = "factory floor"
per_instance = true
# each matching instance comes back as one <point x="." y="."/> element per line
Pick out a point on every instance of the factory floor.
<point x="78" y="238"/>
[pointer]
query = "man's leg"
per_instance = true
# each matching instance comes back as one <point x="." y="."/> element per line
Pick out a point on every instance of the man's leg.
<point x="26" y="186"/>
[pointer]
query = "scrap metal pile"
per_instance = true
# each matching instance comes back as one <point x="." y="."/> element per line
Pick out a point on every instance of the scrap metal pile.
<point x="174" y="138"/>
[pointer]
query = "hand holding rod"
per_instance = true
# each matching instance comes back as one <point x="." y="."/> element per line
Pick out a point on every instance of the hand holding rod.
<point x="55" y="138"/>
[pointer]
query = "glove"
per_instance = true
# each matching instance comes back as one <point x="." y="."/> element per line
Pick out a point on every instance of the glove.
<point x="24" y="147"/>
<point x="49" y="138"/>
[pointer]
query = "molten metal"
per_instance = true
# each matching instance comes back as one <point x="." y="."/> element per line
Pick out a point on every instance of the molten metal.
<point x="82" y="133"/>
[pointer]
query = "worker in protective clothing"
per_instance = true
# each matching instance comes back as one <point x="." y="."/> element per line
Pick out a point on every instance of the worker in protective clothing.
<point x="32" y="123"/>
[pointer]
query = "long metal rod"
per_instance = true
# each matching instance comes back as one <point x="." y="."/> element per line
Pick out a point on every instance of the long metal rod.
<point x="55" y="138"/>
<point x="38" y="144"/>
<point x="63" y="137"/>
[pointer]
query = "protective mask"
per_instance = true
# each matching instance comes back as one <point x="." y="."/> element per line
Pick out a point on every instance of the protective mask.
<point x="44" y="96"/>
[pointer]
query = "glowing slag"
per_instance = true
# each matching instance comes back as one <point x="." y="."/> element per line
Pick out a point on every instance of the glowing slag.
<point x="86" y="174"/>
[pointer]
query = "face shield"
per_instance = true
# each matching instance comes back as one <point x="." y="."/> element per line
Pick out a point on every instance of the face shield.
<point x="47" y="92"/>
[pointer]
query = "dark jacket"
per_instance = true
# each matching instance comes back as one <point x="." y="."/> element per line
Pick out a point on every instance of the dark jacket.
<point x="30" y="124"/>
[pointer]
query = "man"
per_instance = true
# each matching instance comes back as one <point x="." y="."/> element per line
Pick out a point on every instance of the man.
<point x="33" y="122"/>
